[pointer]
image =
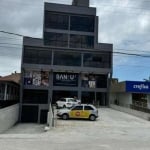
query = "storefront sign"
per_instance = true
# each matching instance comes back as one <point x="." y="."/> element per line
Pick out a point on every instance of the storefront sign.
<point x="65" y="79"/>
<point x="134" y="86"/>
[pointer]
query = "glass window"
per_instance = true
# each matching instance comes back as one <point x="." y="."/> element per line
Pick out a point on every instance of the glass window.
<point x="35" y="96"/>
<point x="82" y="23"/>
<point x="78" y="108"/>
<point x="88" y="81"/>
<point x="101" y="81"/>
<point x="56" y="39"/>
<point x="97" y="60"/>
<point x="101" y="99"/>
<point x="88" y="108"/>
<point x="94" y="81"/>
<point x="56" y="21"/>
<point x="33" y="56"/>
<point x="63" y="100"/>
<point x="36" y="78"/>
<point x="67" y="59"/>
<point x="81" y="41"/>
<point x="88" y="97"/>
<point x="139" y="99"/>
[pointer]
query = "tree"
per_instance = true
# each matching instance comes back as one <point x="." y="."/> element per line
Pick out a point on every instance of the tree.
<point x="147" y="80"/>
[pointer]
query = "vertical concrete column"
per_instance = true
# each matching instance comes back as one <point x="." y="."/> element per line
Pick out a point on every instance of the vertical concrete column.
<point x="148" y="101"/>
<point x="79" y="86"/>
<point x="5" y="92"/>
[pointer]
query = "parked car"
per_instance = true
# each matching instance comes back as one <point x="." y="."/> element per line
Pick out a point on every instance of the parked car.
<point x="66" y="102"/>
<point x="79" y="111"/>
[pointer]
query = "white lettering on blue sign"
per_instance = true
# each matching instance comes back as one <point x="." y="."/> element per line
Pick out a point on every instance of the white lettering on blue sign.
<point x="141" y="87"/>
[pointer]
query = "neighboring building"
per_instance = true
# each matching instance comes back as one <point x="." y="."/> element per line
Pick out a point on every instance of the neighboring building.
<point x="128" y="93"/>
<point x="67" y="62"/>
<point x="9" y="87"/>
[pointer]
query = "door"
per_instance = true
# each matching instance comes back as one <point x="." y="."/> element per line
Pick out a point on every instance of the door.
<point x="29" y="114"/>
<point x="77" y="112"/>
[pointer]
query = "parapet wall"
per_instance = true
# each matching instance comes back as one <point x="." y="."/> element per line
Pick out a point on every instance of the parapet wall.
<point x="8" y="117"/>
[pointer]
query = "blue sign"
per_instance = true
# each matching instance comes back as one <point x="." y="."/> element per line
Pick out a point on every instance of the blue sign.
<point x="137" y="86"/>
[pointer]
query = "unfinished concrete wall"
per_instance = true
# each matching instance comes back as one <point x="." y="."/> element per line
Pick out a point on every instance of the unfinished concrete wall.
<point x="8" y="117"/>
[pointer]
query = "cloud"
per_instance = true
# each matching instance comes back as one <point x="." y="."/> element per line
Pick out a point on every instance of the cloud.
<point x="123" y="23"/>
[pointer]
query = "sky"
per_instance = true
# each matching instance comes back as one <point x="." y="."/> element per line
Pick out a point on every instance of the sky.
<point x="124" y="23"/>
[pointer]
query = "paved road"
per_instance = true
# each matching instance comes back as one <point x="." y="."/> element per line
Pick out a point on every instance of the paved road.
<point x="114" y="130"/>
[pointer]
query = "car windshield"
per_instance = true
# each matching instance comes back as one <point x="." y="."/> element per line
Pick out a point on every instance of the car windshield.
<point x="71" y="100"/>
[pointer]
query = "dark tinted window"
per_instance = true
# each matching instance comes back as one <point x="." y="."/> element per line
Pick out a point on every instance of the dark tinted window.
<point x="63" y="100"/>
<point x="97" y="60"/>
<point x="101" y="81"/>
<point x="35" y="96"/>
<point x="56" y="39"/>
<point x="29" y="113"/>
<point x="88" y="108"/>
<point x="84" y="23"/>
<point x="37" y="56"/>
<point x="78" y="108"/>
<point x="94" y="81"/>
<point x="81" y="41"/>
<point x="67" y="58"/>
<point x="56" y="21"/>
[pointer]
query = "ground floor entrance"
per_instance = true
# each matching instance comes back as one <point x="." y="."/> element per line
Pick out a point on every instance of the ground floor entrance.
<point x="95" y="98"/>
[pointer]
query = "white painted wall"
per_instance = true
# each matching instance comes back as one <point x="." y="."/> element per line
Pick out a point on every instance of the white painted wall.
<point x="8" y="117"/>
<point x="125" y="99"/>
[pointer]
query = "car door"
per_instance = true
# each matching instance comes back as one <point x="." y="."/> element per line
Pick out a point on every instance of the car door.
<point x="87" y="111"/>
<point x="61" y="102"/>
<point x="76" y="112"/>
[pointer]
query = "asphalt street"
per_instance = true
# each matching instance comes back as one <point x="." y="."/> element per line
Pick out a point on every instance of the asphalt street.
<point x="113" y="130"/>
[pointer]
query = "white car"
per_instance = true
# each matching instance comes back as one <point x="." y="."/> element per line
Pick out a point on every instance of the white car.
<point x="66" y="103"/>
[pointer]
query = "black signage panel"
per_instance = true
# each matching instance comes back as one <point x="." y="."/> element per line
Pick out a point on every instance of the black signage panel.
<point x="65" y="79"/>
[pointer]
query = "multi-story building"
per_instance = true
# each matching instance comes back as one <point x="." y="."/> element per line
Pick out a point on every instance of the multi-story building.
<point x="67" y="62"/>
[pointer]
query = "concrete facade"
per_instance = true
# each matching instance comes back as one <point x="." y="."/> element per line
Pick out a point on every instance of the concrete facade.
<point x="9" y="116"/>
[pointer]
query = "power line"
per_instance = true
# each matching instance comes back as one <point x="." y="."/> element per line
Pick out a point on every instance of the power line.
<point x="115" y="52"/>
<point x="4" y="37"/>
<point x="11" y="33"/>
<point x="133" y="50"/>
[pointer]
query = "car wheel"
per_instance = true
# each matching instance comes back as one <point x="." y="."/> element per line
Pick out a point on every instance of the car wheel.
<point x="65" y="116"/>
<point x="92" y="118"/>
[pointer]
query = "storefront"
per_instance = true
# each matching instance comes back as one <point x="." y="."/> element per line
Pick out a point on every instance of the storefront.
<point x="128" y="93"/>
<point x="89" y="88"/>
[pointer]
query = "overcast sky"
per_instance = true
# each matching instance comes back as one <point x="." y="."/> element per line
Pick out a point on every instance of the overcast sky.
<point x="125" y="23"/>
